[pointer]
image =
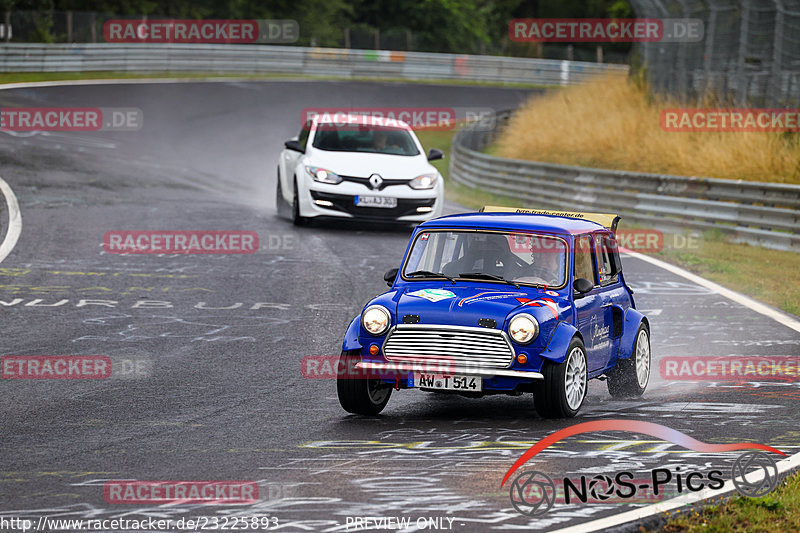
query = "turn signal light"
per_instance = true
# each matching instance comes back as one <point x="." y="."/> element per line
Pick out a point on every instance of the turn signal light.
<point x="373" y="350"/>
<point x="522" y="358"/>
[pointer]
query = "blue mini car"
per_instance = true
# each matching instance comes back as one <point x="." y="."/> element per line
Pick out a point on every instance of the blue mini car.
<point x="504" y="301"/>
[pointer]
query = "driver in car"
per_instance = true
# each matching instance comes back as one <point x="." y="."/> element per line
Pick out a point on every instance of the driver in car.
<point x="547" y="265"/>
<point x="379" y="139"/>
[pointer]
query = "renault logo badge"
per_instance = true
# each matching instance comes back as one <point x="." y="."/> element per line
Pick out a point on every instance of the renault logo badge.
<point x="375" y="181"/>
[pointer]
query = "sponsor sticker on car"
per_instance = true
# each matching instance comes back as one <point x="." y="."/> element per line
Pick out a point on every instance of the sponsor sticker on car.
<point x="433" y="295"/>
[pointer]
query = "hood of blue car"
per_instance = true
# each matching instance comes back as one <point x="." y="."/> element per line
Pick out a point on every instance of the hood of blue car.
<point x="465" y="305"/>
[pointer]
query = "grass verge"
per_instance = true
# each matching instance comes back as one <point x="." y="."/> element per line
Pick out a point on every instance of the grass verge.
<point x="777" y="511"/>
<point x="615" y="123"/>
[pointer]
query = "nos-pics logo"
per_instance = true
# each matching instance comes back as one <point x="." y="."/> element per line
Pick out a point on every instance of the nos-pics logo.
<point x="533" y="493"/>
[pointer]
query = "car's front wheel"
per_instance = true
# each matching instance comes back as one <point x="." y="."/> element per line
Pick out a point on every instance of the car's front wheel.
<point x="296" y="218"/>
<point x="359" y="394"/>
<point x="630" y="377"/>
<point x="280" y="202"/>
<point x="563" y="390"/>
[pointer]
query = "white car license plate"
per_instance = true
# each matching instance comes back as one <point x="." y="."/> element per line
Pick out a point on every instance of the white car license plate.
<point x="376" y="201"/>
<point x="442" y="382"/>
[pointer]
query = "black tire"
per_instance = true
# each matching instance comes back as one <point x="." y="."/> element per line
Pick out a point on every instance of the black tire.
<point x="630" y="377"/>
<point x="563" y="390"/>
<point x="359" y="395"/>
<point x="297" y="220"/>
<point x="280" y="204"/>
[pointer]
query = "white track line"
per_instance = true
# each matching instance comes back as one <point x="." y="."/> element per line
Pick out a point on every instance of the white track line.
<point x="14" y="220"/>
<point x="741" y="299"/>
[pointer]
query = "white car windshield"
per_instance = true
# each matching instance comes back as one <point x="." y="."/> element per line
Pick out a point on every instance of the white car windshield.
<point x="371" y="139"/>
<point x="522" y="258"/>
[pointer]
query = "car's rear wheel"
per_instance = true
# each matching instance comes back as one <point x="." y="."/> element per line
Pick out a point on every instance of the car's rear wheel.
<point x="296" y="218"/>
<point x="563" y="390"/>
<point x="630" y="377"/>
<point x="358" y="394"/>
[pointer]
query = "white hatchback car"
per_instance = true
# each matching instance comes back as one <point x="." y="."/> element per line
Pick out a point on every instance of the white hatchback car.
<point x="357" y="166"/>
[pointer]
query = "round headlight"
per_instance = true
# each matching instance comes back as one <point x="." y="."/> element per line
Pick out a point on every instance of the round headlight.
<point x="523" y="328"/>
<point x="376" y="319"/>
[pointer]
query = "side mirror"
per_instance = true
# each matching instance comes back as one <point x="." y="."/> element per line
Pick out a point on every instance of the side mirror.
<point x="293" y="144"/>
<point x="434" y="154"/>
<point x="390" y="275"/>
<point x="582" y="285"/>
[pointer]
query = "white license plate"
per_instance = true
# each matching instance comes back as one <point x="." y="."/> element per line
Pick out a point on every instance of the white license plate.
<point x="442" y="382"/>
<point x="376" y="201"/>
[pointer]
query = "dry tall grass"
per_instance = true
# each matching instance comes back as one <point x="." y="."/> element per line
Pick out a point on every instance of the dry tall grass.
<point x="613" y="123"/>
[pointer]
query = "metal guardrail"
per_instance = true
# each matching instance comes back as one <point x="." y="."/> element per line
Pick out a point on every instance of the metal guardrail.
<point x="765" y="214"/>
<point x="231" y="58"/>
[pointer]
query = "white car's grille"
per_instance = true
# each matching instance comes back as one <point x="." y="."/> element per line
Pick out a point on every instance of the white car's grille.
<point x="452" y="344"/>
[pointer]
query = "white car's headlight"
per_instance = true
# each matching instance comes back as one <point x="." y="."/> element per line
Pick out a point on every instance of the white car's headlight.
<point x="523" y="328"/>
<point x="426" y="181"/>
<point x="324" y="176"/>
<point x="376" y="319"/>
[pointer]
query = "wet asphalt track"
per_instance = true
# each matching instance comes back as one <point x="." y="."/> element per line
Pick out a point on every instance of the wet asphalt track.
<point x="217" y="340"/>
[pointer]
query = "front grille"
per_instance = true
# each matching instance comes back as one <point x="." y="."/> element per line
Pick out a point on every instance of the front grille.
<point x="365" y="181"/>
<point x="346" y="203"/>
<point x="453" y="345"/>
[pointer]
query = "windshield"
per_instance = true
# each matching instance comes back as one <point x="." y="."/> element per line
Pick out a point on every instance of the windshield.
<point x="523" y="258"/>
<point x="353" y="138"/>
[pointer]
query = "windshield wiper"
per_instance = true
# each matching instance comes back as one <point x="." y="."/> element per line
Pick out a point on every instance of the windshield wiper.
<point x="484" y="275"/>
<point x="430" y="274"/>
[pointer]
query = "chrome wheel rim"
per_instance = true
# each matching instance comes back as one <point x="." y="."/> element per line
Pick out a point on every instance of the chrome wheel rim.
<point x="575" y="378"/>
<point x="642" y="359"/>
